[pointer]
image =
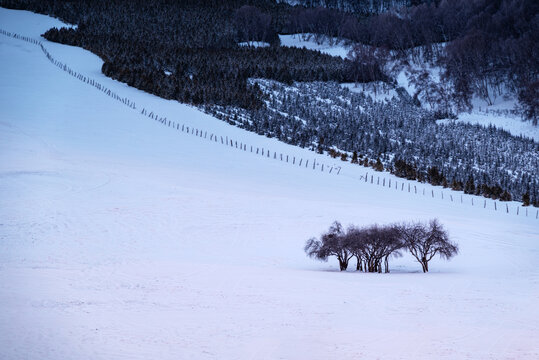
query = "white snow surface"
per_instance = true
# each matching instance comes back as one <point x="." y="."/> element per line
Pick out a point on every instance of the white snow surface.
<point x="121" y="238"/>
<point x="331" y="46"/>
<point x="254" y="43"/>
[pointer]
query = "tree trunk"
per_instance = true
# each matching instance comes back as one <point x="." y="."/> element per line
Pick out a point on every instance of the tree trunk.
<point x="359" y="266"/>
<point x="343" y="264"/>
<point x="425" y="264"/>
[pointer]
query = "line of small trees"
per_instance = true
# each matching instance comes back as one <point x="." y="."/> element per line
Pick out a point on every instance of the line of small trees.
<point x="373" y="245"/>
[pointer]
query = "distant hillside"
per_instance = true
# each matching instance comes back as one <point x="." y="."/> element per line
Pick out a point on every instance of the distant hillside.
<point x="361" y="7"/>
<point x="189" y="51"/>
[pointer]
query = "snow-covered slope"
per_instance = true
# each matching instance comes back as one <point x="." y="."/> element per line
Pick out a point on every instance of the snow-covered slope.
<point x="121" y="238"/>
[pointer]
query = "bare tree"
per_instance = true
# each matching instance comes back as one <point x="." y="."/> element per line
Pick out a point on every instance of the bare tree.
<point x="331" y="243"/>
<point x="373" y="246"/>
<point x="425" y="241"/>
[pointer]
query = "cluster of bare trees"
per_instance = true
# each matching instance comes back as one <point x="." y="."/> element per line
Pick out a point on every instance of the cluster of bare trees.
<point x="373" y="245"/>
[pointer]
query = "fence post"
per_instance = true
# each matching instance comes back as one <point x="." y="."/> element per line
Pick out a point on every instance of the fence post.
<point x="495" y="208"/>
<point x="384" y="182"/>
<point x="415" y="189"/>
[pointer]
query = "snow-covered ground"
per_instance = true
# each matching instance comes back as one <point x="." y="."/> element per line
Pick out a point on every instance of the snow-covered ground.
<point x="254" y="43"/>
<point x="121" y="238"/>
<point x="331" y="46"/>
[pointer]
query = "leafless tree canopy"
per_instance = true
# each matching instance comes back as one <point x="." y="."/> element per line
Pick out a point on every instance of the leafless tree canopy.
<point x="331" y="243"/>
<point x="426" y="241"/>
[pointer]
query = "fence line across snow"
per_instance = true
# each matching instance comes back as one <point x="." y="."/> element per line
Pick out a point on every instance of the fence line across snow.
<point x="241" y="146"/>
<point x="249" y="148"/>
<point x="381" y="181"/>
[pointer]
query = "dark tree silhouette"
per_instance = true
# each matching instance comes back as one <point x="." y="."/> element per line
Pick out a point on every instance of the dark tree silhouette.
<point x="373" y="245"/>
<point x="426" y="241"/>
<point x="331" y="243"/>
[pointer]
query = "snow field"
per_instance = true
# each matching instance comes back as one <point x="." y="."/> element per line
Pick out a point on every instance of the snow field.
<point x="122" y="239"/>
